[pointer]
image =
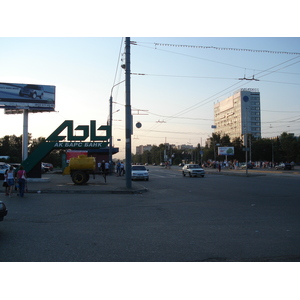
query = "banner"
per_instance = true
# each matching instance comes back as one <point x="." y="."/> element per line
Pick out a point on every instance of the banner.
<point x="225" y="150"/>
<point x="14" y="96"/>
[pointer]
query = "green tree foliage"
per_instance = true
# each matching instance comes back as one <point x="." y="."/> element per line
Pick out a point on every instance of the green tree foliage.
<point x="11" y="145"/>
<point x="286" y="147"/>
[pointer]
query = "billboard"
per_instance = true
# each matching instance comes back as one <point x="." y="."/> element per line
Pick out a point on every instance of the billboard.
<point x="15" y="96"/>
<point x="225" y="150"/>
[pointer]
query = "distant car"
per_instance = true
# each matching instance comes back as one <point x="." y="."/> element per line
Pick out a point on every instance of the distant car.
<point x="3" y="168"/>
<point x="250" y="166"/>
<point x="32" y="90"/>
<point x="192" y="170"/>
<point x="139" y="172"/>
<point x="15" y="165"/>
<point x="283" y="166"/>
<point x="3" y="211"/>
<point x="47" y="167"/>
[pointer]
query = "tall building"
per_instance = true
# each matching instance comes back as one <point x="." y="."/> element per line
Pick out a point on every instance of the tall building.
<point x="239" y="115"/>
<point x="141" y="149"/>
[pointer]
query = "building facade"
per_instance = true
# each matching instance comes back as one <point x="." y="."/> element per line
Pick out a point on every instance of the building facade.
<point x="239" y="115"/>
<point x="141" y="149"/>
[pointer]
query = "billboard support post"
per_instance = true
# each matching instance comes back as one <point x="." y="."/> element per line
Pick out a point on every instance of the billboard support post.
<point x="25" y="135"/>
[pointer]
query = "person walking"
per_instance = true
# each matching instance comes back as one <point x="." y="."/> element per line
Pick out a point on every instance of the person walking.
<point x="5" y="185"/>
<point x="10" y="180"/>
<point x="122" y="169"/>
<point x="118" y="168"/>
<point x="106" y="168"/>
<point x="21" y="177"/>
<point x="103" y="171"/>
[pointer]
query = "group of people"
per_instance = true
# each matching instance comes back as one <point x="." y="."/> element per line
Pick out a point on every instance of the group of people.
<point x="120" y="168"/>
<point x="16" y="180"/>
<point x="104" y="168"/>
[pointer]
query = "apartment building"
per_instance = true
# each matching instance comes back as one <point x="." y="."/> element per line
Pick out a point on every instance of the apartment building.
<point x="239" y="115"/>
<point x="140" y="149"/>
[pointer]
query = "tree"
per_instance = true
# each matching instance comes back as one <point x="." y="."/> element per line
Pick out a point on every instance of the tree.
<point x="11" y="145"/>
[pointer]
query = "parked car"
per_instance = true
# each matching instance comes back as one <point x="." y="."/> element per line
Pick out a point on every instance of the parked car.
<point x="32" y="90"/>
<point x="243" y="166"/>
<point x="15" y="165"/>
<point x="139" y="172"/>
<point x="3" y="210"/>
<point x="283" y="166"/>
<point x="3" y="168"/>
<point x="47" y="167"/>
<point x="192" y="170"/>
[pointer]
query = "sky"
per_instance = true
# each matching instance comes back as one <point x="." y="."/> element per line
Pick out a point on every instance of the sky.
<point x="175" y="83"/>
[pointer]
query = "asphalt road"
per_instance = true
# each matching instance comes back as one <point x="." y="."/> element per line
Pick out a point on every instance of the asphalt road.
<point x="180" y="219"/>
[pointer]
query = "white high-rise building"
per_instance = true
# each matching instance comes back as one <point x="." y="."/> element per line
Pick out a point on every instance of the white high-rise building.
<point x="239" y="115"/>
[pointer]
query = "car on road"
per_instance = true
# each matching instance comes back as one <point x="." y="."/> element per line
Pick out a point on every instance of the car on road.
<point x="32" y="90"/>
<point x="249" y="166"/>
<point x="3" y="210"/>
<point x="193" y="170"/>
<point x="139" y="172"/>
<point x="3" y="168"/>
<point x="283" y="166"/>
<point x="47" y="167"/>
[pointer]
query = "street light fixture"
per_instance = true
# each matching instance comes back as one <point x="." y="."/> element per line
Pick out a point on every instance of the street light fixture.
<point x="110" y="124"/>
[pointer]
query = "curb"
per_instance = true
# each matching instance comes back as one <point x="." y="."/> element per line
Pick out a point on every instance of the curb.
<point x="139" y="191"/>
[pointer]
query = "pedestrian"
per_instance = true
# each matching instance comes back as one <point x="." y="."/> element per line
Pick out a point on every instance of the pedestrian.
<point x="219" y="167"/>
<point x="21" y="176"/>
<point x="103" y="170"/>
<point x="10" y="180"/>
<point x="106" y="168"/>
<point x="5" y="185"/>
<point x="122" y="169"/>
<point x="118" y="168"/>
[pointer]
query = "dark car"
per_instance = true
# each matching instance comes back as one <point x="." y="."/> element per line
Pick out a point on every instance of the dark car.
<point x="249" y="166"/>
<point x="32" y="90"/>
<point x="284" y="166"/>
<point x="3" y="210"/>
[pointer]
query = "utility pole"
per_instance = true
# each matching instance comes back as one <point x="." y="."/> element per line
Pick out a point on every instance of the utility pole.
<point x="128" y="121"/>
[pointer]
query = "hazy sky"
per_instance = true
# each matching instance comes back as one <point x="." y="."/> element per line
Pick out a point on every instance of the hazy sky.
<point x="174" y="99"/>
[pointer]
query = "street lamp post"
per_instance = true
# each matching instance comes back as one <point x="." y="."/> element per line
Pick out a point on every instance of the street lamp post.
<point x="110" y="124"/>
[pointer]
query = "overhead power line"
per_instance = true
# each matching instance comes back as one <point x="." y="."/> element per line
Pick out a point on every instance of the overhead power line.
<point x="226" y="49"/>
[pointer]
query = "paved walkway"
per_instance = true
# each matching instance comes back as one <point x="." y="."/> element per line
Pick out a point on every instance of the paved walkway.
<point x="56" y="183"/>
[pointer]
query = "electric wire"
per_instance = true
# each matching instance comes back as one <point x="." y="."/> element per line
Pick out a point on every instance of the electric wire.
<point x="205" y="101"/>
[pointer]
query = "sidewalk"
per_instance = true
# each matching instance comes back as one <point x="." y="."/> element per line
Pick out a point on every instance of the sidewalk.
<point x="56" y="183"/>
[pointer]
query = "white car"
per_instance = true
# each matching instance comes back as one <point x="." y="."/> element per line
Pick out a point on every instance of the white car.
<point x="193" y="170"/>
<point x="3" y="168"/>
<point x="139" y="172"/>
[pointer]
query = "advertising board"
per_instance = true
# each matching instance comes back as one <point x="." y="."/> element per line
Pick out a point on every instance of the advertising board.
<point x="15" y="96"/>
<point x="225" y="150"/>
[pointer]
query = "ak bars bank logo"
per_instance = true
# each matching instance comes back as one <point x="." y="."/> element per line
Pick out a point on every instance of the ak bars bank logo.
<point x="76" y="141"/>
